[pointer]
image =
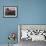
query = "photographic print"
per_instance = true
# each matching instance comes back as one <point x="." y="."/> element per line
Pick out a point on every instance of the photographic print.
<point x="10" y="11"/>
<point x="32" y="32"/>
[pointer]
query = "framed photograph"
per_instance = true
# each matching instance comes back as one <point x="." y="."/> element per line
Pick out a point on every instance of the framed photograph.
<point x="33" y="32"/>
<point x="10" y="11"/>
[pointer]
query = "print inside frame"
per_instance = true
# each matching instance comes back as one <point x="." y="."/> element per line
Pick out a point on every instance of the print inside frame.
<point x="35" y="32"/>
<point x="10" y="11"/>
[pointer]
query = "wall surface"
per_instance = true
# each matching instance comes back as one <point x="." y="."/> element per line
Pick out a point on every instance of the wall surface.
<point x="29" y="12"/>
<point x="7" y="25"/>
